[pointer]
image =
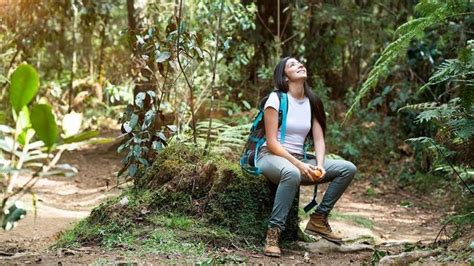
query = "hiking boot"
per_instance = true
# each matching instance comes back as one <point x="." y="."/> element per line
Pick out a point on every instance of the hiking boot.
<point x="318" y="226"/>
<point x="271" y="246"/>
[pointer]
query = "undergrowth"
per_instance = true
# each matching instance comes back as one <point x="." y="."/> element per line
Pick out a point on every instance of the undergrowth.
<point x="185" y="202"/>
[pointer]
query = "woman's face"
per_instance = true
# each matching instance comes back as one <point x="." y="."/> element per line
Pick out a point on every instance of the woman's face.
<point x="294" y="70"/>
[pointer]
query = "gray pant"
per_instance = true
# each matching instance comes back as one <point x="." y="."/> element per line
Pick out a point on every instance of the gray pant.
<point x="287" y="176"/>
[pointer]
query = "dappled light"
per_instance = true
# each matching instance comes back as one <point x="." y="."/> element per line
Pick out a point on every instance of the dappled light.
<point x="236" y="131"/>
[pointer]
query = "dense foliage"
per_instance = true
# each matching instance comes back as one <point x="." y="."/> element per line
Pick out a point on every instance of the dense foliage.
<point x="193" y="72"/>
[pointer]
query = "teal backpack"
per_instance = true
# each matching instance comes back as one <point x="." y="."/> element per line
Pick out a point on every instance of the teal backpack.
<point x="248" y="159"/>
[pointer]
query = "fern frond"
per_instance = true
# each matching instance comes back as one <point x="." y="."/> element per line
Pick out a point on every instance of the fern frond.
<point x="419" y="106"/>
<point x="451" y="69"/>
<point x="223" y="135"/>
<point x="463" y="128"/>
<point x="425" y="7"/>
<point x="433" y="12"/>
<point x="390" y="53"/>
<point x="427" y="116"/>
<point x="412" y="25"/>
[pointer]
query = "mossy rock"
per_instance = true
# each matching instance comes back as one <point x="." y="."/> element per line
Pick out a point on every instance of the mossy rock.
<point x="205" y="188"/>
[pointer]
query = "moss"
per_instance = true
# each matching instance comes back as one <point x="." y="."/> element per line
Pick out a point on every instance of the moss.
<point x="362" y="221"/>
<point x="202" y="199"/>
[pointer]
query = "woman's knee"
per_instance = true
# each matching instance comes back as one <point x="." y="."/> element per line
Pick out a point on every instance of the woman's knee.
<point x="350" y="168"/>
<point x="291" y="175"/>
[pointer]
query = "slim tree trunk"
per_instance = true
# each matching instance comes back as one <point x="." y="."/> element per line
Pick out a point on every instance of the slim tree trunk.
<point x="218" y="32"/>
<point x="191" y="91"/>
<point x="73" y="63"/>
<point x="103" y="40"/>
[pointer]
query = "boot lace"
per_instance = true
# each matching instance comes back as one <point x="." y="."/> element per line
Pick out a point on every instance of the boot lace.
<point x="273" y="235"/>
<point x="326" y="223"/>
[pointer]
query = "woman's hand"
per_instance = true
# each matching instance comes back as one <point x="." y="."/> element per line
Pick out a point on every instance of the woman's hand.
<point x="309" y="171"/>
<point x="321" y="170"/>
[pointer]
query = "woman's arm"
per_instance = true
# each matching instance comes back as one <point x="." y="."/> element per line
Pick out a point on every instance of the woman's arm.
<point x="271" y="130"/>
<point x="319" y="145"/>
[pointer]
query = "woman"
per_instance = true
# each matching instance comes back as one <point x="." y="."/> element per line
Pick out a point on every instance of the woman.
<point x="284" y="163"/>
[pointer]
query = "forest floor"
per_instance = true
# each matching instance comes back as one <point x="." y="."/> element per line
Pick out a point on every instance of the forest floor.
<point x="388" y="217"/>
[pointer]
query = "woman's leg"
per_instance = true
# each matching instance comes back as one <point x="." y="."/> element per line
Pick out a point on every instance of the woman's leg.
<point x="282" y="172"/>
<point x="340" y="173"/>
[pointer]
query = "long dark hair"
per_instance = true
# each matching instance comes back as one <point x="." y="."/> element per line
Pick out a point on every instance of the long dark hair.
<point x="317" y="108"/>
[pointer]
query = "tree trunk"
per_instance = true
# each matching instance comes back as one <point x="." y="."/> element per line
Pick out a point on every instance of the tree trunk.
<point x="74" y="59"/>
<point x="100" y="67"/>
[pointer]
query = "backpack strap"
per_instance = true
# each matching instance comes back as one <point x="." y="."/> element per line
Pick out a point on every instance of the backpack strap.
<point x="313" y="202"/>
<point x="257" y="149"/>
<point x="283" y="111"/>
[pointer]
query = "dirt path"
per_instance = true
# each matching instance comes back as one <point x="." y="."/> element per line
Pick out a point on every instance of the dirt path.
<point x="62" y="201"/>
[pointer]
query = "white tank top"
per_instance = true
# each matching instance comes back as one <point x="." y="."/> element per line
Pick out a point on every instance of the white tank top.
<point x="298" y="122"/>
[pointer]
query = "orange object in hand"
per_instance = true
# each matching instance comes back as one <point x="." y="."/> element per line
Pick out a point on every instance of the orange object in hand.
<point x="316" y="174"/>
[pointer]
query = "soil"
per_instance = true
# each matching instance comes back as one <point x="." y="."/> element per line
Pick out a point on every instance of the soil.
<point x="62" y="201"/>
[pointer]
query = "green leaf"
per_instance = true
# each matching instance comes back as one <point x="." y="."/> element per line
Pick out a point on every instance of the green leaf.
<point x="427" y="115"/>
<point x="132" y="170"/>
<point x="129" y="125"/>
<point x="156" y="145"/>
<point x="82" y="136"/>
<point x="133" y="120"/>
<point x="143" y="162"/>
<point x="12" y="215"/>
<point x="122" y="147"/>
<point x="152" y="94"/>
<point x="44" y="124"/>
<point x="23" y="87"/>
<point x="161" y="136"/>
<point x="23" y="125"/>
<point x="23" y="120"/>
<point x="149" y="118"/>
<point x="25" y="136"/>
<point x="139" y="99"/>
<point x="137" y="150"/>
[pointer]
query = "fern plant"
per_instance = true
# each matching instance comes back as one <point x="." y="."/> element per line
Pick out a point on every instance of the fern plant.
<point x="460" y="69"/>
<point x="432" y="12"/>
<point x="224" y="137"/>
<point x="452" y="115"/>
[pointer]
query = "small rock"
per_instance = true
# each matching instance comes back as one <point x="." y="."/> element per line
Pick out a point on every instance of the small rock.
<point x="69" y="252"/>
<point x="123" y="201"/>
<point x="291" y="257"/>
<point x="306" y="258"/>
